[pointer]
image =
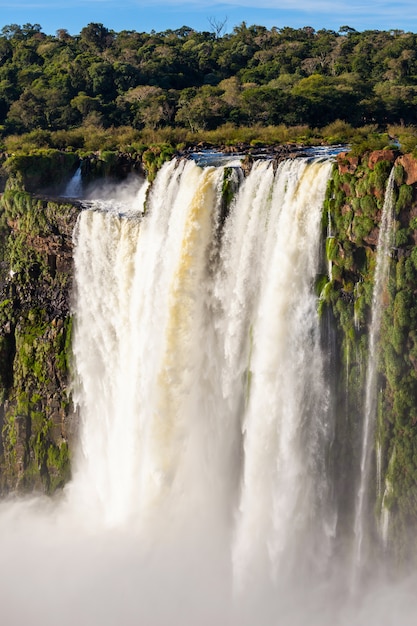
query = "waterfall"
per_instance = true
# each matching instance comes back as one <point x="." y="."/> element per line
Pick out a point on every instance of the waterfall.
<point x="200" y="373"/>
<point x="362" y="512"/>
<point x="203" y="483"/>
<point x="283" y="510"/>
<point x="74" y="188"/>
<point x="386" y="490"/>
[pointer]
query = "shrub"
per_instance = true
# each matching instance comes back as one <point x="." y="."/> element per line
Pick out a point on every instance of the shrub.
<point x="405" y="198"/>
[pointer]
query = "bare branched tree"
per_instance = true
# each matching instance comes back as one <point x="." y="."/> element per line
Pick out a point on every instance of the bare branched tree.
<point x="217" y="26"/>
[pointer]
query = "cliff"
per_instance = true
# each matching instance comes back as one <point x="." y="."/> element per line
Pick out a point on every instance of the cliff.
<point x="37" y="416"/>
<point x="352" y="217"/>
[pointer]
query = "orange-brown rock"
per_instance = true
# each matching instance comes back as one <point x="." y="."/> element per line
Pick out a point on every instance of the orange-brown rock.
<point x="346" y="208"/>
<point x="378" y="193"/>
<point x="372" y="238"/>
<point x="380" y="155"/>
<point x="409" y="164"/>
<point x="347" y="164"/>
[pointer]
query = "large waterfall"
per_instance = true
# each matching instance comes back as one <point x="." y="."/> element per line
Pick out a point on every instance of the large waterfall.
<point x="200" y="370"/>
<point x="202" y="489"/>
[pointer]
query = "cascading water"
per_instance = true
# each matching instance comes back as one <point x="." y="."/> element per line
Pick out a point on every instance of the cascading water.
<point x="201" y="490"/>
<point x="284" y="519"/>
<point x="190" y="349"/>
<point x="384" y="493"/>
<point x="154" y="405"/>
<point x="362" y="513"/>
<point x="74" y="188"/>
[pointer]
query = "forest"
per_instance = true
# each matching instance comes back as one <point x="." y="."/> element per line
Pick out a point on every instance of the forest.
<point x="107" y="90"/>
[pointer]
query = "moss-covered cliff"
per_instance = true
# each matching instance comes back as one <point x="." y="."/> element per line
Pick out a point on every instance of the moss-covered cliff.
<point x="35" y="334"/>
<point x="37" y="419"/>
<point x="37" y="415"/>
<point x="351" y="224"/>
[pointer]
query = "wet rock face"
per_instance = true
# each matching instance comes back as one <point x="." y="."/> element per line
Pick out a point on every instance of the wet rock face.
<point x="372" y="238"/>
<point x="409" y="164"/>
<point x="39" y="421"/>
<point x="347" y="164"/>
<point x="355" y="200"/>
<point x="381" y="155"/>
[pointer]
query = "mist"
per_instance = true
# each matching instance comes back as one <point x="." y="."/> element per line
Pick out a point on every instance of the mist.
<point x="124" y="197"/>
<point x="56" y="568"/>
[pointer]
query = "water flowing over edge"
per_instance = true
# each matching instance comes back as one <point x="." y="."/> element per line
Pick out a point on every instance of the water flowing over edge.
<point x="225" y="383"/>
<point x="202" y="469"/>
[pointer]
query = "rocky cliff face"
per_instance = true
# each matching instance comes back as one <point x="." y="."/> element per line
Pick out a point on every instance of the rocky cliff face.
<point x="37" y="416"/>
<point x="351" y="225"/>
<point x="38" y="419"/>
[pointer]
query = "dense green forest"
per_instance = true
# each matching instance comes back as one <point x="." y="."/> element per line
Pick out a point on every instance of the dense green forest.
<point x="66" y="91"/>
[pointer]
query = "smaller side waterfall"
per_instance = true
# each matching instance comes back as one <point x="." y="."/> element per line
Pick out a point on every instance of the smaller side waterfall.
<point x="381" y="275"/>
<point x="74" y="188"/>
<point x="386" y="489"/>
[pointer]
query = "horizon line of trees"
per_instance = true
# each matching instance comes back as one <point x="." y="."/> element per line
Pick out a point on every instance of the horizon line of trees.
<point x="202" y="80"/>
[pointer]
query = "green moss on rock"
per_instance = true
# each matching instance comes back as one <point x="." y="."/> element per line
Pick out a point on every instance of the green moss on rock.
<point x="355" y="214"/>
<point x="35" y="336"/>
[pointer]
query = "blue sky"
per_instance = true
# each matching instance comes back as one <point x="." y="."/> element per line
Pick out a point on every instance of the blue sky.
<point x="159" y="15"/>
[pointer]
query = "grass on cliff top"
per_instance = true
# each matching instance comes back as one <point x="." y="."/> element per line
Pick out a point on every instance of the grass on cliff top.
<point x="94" y="138"/>
<point x="88" y="138"/>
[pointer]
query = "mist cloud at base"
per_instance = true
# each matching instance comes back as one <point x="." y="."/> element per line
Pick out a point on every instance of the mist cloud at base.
<point x="59" y="569"/>
<point x="61" y="565"/>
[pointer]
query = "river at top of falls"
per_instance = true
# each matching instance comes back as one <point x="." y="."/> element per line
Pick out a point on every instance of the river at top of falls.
<point x="201" y="487"/>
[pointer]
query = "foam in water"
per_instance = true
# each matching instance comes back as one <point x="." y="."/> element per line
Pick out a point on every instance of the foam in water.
<point x="201" y="488"/>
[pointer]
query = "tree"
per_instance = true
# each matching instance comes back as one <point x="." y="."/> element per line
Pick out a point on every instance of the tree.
<point x="28" y="112"/>
<point x="63" y="35"/>
<point x="96" y="37"/>
<point x="347" y="30"/>
<point x="202" y="108"/>
<point x="270" y="105"/>
<point x="101" y="81"/>
<point x="217" y="26"/>
<point x="150" y="105"/>
<point x="85" y="104"/>
<point x="6" y="50"/>
<point x="29" y="30"/>
<point x="399" y="101"/>
<point x="12" y="31"/>
<point x="326" y="101"/>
